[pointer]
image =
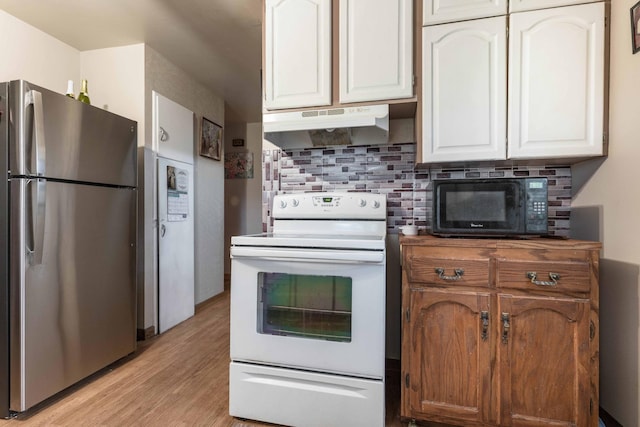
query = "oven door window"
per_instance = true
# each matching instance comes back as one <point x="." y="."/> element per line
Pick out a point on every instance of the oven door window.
<point x="307" y="306"/>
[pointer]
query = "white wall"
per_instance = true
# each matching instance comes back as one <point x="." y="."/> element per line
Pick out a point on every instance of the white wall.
<point x="30" y="54"/>
<point x="243" y="197"/>
<point x="606" y="207"/>
<point x="116" y="81"/>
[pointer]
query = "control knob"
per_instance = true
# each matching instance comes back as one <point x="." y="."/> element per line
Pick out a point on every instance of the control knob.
<point x="294" y="202"/>
<point x="362" y="203"/>
<point x="376" y="204"/>
<point x="283" y="204"/>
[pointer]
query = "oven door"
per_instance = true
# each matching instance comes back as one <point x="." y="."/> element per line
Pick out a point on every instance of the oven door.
<point x="311" y="309"/>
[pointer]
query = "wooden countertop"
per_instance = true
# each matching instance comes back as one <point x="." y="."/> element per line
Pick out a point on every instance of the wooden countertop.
<point x="501" y="243"/>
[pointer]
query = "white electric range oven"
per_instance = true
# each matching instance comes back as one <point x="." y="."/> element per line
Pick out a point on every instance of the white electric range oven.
<point x="308" y="313"/>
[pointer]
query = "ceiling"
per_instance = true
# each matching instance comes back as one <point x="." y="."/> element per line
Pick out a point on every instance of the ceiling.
<point x="218" y="42"/>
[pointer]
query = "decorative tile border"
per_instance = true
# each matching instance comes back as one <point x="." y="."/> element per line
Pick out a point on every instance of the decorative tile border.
<point x="389" y="170"/>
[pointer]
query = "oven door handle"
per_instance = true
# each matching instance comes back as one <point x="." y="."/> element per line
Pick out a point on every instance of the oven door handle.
<point x="317" y="255"/>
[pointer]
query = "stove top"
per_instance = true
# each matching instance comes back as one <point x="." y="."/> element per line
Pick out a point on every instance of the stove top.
<point x="324" y="220"/>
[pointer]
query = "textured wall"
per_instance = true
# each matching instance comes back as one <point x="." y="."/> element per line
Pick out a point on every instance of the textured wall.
<point x="172" y="82"/>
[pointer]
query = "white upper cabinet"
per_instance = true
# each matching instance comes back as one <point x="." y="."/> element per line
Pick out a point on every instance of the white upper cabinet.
<point x="297" y="53"/>
<point x="521" y="5"/>
<point x="439" y="11"/>
<point x="464" y="91"/>
<point x="556" y="82"/>
<point x="376" y="50"/>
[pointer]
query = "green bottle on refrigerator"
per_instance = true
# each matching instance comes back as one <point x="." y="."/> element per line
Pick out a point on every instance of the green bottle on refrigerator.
<point x="83" y="96"/>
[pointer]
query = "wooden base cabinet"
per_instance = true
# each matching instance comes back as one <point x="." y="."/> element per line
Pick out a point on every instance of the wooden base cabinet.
<point x="500" y="332"/>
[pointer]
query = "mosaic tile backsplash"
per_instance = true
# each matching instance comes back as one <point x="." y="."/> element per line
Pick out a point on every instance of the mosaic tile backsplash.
<point x="389" y="169"/>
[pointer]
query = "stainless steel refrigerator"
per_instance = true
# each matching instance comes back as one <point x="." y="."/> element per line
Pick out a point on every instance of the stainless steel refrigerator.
<point x="67" y="242"/>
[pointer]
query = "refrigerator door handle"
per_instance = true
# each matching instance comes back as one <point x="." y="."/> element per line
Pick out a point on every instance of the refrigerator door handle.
<point x="39" y="155"/>
<point x="37" y="209"/>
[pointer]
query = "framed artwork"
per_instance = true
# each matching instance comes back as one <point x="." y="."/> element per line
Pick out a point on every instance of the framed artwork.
<point x="211" y="142"/>
<point x="238" y="165"/>
<point x="635" y="28"/>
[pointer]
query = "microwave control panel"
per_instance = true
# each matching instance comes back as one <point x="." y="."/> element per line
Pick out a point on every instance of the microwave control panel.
<point x="536" y="192"/>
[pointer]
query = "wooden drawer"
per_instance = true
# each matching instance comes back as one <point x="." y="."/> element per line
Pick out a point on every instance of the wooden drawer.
<point x="446" y="271"/>
<point x="568" y="276"/>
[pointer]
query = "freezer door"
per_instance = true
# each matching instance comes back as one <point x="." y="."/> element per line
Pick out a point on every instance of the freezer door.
<point x="72" y="284"/>
<point x="54" y="136"/>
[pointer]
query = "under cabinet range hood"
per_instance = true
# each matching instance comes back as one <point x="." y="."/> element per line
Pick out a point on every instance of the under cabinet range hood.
<point x="361" y="125"/>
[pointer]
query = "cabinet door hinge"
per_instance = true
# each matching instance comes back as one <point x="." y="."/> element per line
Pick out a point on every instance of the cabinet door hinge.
<point x="407" y="315"/>
<point x="591" y="406"/>
<point x="592" y="331"/>
<point x="406" y="380"/>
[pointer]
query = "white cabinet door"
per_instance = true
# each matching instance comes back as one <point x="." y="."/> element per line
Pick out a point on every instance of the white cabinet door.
<point x="376" y="50"/>
<point x="521" y="5"/>
<point x="297" y="53"/>
<point x="176" y="277"/>
<point x="439" y="11"/>
<point x="556" y="82"/>
<point x="464" y="85"/>
<point x="172" y="133"/>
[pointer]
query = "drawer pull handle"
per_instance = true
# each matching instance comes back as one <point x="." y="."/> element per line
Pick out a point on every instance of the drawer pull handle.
<point x="458" y="274"/>
<point x="484" y="318"/>
<point x="505" y="328"/>
<point x="553" y="276"/>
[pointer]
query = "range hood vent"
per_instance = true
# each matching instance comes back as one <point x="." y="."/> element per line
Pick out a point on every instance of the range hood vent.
<point x="360" y="125"/>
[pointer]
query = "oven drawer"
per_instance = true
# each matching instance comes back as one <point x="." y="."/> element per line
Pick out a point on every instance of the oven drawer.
<point x="556" y="276"/>
<point x="292" y="397"/>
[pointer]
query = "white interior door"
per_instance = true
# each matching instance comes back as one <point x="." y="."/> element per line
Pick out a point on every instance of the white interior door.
<point x="176" y="293"/>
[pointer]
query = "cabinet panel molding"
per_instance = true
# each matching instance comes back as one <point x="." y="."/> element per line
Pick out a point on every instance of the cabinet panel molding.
<point x="450" y="383"/>
<point x="546" y="345"/>
<point x="297" y="53"/>
<point x="556" y="82"/>
<point x="376" y="50"/>
<point x="464" y="92"/>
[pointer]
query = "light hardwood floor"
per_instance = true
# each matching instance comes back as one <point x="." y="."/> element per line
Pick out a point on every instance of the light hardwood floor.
<point x="179" y="378"/>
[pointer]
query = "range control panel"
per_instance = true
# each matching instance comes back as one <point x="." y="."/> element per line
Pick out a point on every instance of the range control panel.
<point x="330" y="206"/>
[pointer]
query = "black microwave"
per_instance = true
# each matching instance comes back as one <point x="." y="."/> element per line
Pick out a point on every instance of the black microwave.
<point x="490" y="207"/>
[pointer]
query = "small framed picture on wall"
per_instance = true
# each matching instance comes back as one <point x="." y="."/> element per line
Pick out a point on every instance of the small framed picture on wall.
<point x="211" y="142"/>
<point x="635" y="27"/>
